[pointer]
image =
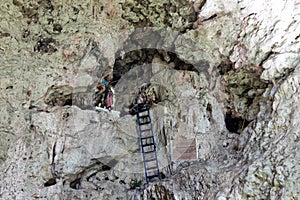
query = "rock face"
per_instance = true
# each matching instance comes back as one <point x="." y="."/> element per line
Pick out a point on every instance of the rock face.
<point x="226" y="77"/>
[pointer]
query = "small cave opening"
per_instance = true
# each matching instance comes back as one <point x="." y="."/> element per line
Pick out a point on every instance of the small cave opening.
<point x="50" y="182"/>
<point x="235" y="124"/>
<point x="244" y="89"/>
<point x="68" y="102"/>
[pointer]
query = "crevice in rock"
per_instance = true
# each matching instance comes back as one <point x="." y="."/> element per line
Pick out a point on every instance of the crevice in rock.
<point x="76" y="184"/>
<point x="198" y="5"/>
<point x="210" y="18"/>
<point x="267" y="56"/>
<point x="53" y="153"/>
<point x="91" y="176"/>
<point x="209" y="111"/>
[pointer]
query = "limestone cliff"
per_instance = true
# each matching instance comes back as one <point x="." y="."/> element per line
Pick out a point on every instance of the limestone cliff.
<point x="226" y="76"/>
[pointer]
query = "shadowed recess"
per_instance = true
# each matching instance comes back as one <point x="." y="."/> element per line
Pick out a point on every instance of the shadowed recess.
<point x="139" y="57"/>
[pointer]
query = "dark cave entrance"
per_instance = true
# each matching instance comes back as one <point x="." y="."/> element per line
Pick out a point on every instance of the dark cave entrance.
<point x="139" y="57"/>
<point x="235" y="124"/>
<point x="137" y="60"/>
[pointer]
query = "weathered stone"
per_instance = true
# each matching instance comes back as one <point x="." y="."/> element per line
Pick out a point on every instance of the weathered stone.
<point x="214" y="66"/>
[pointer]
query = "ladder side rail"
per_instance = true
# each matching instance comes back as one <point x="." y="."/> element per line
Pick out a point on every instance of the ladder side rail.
<point x="143" y="155"/>
<point x="155" y="149"/>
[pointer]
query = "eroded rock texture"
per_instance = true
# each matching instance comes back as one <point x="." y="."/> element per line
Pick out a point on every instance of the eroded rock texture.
<point x="226" y="77"/>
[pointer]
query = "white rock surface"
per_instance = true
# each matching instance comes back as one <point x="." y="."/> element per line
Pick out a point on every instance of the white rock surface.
<point x="246" y="61"/>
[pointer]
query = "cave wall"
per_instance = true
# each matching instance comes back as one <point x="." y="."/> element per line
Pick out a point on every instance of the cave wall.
<point x="237" y="60"/>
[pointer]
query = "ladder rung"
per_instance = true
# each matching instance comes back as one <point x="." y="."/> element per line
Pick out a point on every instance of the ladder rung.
<point x="145" y="130"/>
<point x="143" y="117"/>
<point x="150" y="168"/>
<point x="153" y="176"/>
<point x="146" y="145"/>
<point x="150" y="160"/>
<point x="144" y="123"/>
<point x="143" y="110"/>
<point x="149" y="152"/>
<point x="145" y="138"/>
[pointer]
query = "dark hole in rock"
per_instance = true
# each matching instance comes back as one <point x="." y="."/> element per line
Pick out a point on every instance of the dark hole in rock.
<point x="162" y="175"/>
<point x="106" y="167"/>
<point x="9" y="87"/>
<point x="209" y="111"/>
<point x="225" y="66"/>
<point x="61" y="100"/>
<point x="75" y="184"/>
<point x="68" y="102"/>
<point x="250" y="101"/>
<point x="50" y="182"/>
<point x="122" y="182"/>
<point x="57" y="28"/>
<point x="235" y="124"/>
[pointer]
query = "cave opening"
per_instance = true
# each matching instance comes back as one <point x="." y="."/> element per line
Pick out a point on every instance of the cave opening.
<point x="145" y="59"/>
<point x="138" y="57"/>
<point x="245" y="90"/>
<point x="235" y="124"/>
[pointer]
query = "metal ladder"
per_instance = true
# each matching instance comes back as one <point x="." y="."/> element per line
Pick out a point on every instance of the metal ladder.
<point x="147" y="141"/>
